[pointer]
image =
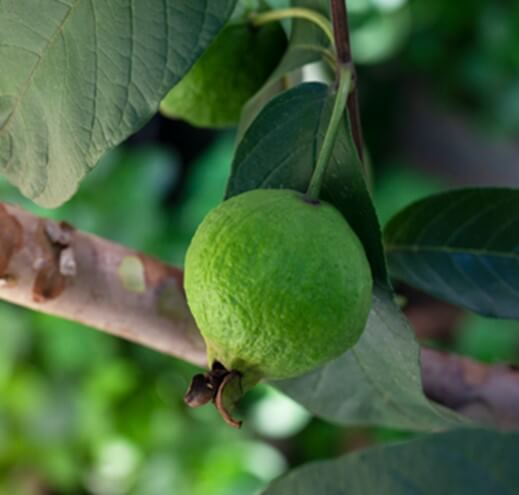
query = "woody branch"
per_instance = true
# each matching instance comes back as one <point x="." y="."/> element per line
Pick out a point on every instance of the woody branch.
<point x="53" y="268"/>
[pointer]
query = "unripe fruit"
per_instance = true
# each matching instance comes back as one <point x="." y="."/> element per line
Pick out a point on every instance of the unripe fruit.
<point x="229" y="72"/>
<point x="277" y="283"/>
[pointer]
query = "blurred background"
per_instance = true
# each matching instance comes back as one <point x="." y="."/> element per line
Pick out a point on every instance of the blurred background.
<point x="85" y="413"/>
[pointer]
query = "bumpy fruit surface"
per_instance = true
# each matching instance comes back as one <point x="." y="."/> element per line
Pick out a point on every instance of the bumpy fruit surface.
<point x="277" y="283"/>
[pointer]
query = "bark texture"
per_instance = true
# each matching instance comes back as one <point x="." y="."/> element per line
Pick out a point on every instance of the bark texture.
<point x="53" y="268"/>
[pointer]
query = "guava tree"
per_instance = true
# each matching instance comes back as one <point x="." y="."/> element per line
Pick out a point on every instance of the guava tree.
<point x="78" y="78"/>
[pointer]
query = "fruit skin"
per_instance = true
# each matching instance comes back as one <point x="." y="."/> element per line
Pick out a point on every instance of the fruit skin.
<point x="228" y="73"/>
<point x="277" y="284"/>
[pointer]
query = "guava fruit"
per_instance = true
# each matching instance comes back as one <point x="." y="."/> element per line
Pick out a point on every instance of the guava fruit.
<point x="278" y="284"/>
<point x="229" y="72"/>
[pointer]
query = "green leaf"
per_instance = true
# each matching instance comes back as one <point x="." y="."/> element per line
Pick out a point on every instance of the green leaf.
<point x="229" y="72"/>
<point x="280" y="149"/>
<point x="79" y="77"/>
<point x="466" y="462"/>
<point x="377" y="382"/>
<point x="461" y="246"/>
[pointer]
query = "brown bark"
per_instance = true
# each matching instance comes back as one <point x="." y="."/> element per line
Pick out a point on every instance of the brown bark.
<point x="55" y="269"/>
<point x="487" y="394"/>
<point x="430" y="318"/>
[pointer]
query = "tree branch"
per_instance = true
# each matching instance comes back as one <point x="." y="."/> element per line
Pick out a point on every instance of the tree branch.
<point x="55" y="269"/>
<point x="341" y="34"/>
<point x="58" y="270"/>
<point x="487" y="394"/>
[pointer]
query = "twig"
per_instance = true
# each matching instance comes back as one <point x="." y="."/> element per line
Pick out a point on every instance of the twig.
<point x="343" y="47"/>
<point x="58" y="270"/>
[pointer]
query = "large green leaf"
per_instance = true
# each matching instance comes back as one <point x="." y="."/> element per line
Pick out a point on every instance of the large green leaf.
<point x="467" y="462"/>
<point x="377" y="382"/>
<point x="279" y="150"/>
<point x="461" y="246"/>
<point x="78" y="77"/>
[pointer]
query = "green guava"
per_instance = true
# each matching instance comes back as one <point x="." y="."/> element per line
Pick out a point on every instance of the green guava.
<point x="229" y="72"/>
<point x="278" y="284"/>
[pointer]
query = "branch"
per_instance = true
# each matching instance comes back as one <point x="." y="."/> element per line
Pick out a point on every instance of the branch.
<point x="343" y="47"/>
<point x="55" y="269"/>
<point x="58" y="270"/>
<point x="484" y="393"/>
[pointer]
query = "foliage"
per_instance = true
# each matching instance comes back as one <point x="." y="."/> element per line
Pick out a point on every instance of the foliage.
<point x="64" y="104"/>
<point x="476" y="462"/>
<point x="80" y="409"/>
<point x="450" y="245"/>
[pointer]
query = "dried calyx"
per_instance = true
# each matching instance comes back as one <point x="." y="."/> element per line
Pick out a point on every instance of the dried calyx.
<point x="219" y="385"/>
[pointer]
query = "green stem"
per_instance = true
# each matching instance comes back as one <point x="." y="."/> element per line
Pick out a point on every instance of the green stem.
<point x="294" y="13"/>
<point x="327" y="55"/>
<point x="326" y="150"/>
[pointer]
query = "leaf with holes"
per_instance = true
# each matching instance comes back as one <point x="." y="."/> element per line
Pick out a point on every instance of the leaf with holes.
<point x="466" y="462"/>
<point x="461" y="246"/>
<point x="79" y="77"/>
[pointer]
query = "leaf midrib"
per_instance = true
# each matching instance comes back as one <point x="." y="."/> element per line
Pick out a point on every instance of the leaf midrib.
<point x="41" y="57"/>
<point x="446" y="249"/>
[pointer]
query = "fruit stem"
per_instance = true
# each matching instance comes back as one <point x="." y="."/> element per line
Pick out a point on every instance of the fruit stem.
<point x="325" y="153"/>
<point x="259" y="19"/>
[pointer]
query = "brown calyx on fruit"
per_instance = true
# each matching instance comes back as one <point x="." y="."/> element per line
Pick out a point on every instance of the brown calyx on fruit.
<point x="219" y="385"/>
